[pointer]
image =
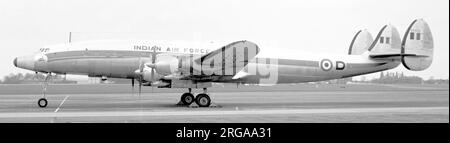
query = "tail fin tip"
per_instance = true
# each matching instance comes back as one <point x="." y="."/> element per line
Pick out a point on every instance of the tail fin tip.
<point x="360" y="43"/>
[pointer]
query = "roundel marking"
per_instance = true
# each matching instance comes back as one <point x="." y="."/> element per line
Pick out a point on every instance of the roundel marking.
<point x="326" y="64"/>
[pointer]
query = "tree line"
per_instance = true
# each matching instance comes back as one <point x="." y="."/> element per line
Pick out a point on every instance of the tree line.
<point x="384" y="78"/>
<point x="400" y="78"/>
<point x="29" y="78"/>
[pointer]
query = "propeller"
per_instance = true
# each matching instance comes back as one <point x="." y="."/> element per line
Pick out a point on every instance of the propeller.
<point x="140" y="73"/>
<point x="132" y="86"/>
<point x="153" y="66"/>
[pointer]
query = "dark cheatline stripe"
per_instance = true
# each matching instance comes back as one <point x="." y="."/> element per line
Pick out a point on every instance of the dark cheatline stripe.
<point x="289" y="62"/>
<point x="86" y="57"/>
<point x="353" y="41"/>
<point x="95" y="54"/>
<point x="364" y="65"/>
<point x="132" y="54"/>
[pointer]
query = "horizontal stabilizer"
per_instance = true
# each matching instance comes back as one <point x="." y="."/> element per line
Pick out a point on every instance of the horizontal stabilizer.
<point x="395" y="56"/>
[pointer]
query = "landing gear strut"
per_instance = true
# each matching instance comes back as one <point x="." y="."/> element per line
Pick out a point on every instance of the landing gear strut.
<point x="42" y="102"/>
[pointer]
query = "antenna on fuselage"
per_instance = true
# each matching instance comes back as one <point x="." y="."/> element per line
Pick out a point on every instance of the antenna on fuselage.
<point x="70" y="37"/>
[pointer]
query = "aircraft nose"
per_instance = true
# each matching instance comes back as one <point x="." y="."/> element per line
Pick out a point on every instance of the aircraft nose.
<point x="15" y="62"/>
<point x="24" y="62"/>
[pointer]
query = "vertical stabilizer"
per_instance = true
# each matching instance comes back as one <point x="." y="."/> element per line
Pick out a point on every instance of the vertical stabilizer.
<point x="418" y="41"/>
<point x="360" y="43"/>
<point x="387" y="42"/>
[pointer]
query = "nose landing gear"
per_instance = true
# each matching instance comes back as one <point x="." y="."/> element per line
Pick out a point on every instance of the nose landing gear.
<point x="42" y="102"/>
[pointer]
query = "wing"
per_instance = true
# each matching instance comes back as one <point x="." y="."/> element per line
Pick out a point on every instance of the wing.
<point x="224" y="62"/>
<point x="229" y="59"/>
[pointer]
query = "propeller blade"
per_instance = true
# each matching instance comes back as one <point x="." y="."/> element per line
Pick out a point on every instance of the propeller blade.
<point x="140" y="85"/>
<point x="141" y="68"/>
<point x="153" y="76"/>
<point x="153" y="67"/>
<point x="154" y="55"/>
<point x="132" y="86"/>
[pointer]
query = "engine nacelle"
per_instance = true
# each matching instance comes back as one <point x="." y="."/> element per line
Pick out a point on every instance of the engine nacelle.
<point x="147" y="74"/>
<point x="166" y="64"/>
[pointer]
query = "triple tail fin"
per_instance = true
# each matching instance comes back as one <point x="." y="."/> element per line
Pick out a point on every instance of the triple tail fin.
<point x="360" y="43"/>
<point x="415" y="50"/>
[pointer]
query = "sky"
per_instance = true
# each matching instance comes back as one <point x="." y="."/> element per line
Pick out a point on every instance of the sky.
<point x="312" y="26"/>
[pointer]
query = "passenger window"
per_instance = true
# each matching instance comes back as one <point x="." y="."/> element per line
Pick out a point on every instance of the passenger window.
<point x="418" y="36"/>
<point x="411" y="36"/>
<point x="388" y="40"/>
<point x="381" y="39"/>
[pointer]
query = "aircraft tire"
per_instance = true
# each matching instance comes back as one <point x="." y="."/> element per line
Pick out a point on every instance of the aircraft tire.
<point x="203" y="100"/>
<point x="42" y="102"/>
<point x="187" y="98"/>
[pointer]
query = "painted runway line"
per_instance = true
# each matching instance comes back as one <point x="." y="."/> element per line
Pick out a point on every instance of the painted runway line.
<point x="61" y="103"/>
<point x="439" y="110"/>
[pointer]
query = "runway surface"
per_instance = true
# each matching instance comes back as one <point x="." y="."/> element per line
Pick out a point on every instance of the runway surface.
<point x="386" y="103"/>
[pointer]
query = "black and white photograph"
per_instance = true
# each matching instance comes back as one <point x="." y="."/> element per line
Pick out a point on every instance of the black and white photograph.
<point x="212" y="63"/>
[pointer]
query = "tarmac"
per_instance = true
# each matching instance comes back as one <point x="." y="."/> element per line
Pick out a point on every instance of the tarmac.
<point x="386" y="103"/>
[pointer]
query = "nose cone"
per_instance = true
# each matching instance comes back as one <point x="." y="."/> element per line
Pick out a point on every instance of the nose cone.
<point x="15" y="62"/>
<point x="24" y="62"/>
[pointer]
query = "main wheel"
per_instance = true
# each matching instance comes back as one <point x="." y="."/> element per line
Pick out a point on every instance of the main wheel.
<point x="187" y="98"/>
<point x="203" y="100"/>
<point x="42" y="102"/>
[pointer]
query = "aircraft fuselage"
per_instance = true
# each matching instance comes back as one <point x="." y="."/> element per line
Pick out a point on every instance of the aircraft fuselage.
<point x="123" y="64"/>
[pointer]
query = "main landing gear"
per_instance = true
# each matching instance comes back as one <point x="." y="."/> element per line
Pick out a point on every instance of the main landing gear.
<point x="42" y="102"/>
<point x="202" y="99"/>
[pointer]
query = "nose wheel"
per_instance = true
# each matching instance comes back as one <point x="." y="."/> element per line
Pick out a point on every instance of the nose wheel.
<point x="42" y="102"/>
